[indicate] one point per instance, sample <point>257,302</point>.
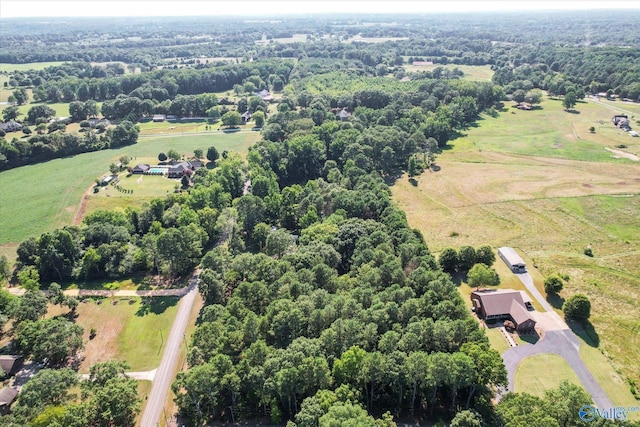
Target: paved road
<point>562,342</point>
<point>164,374</point>
<point>565,344</point>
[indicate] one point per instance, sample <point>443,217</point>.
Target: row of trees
<point>39,148</point>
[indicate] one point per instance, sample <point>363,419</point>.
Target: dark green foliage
<point>577,307</point>
<point>553,285</point>
<point>449,260</point>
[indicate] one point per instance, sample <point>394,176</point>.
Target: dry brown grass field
<point>541,182</point>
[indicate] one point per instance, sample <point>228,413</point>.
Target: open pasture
<point>481,73</point>
<point>503,184</point>
<point>44,196</point>
<point>37,66</point>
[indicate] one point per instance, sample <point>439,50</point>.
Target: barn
<point>512,259</point>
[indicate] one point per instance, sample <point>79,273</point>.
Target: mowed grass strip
<point>482,73</point>
<point>41,197</point>
<point>126,329</point>
<point>6,67</point>
<point>555,368</point>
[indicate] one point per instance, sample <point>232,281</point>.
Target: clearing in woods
<point>540,181</point>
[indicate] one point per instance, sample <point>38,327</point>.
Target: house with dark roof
<point>178,170</point>
<point>504,304</point>
<point>141,168</point>
<point>10,364</point>
<point>8,395</point>
<point>11,126</point>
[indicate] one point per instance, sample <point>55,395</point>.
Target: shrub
<point>553,285</point>
<point>588,251</point>
<point>577,307</point>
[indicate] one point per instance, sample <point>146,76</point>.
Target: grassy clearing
<point>495,188</point>
<point>497,341</point>
<point>482,73</point>
<point>8,68</point>
<point>144,390</point>
<point>126,329</point>
<point>44,196</point>
<point>556,369</point>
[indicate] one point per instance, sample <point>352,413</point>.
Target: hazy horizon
<point>141,8</point>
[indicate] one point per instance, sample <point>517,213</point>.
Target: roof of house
<point>142,166</point>
<point>9,362</point>
<point>179,167</point>
<point>8,395</point>
<point>196,163</point>
<point>344,114</point>
<point>498,302</point>
<point>519,313</point>
<point>511,256</point>
<point>10,126</point>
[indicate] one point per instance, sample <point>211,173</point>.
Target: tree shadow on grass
<point>413,182</point>
<point>572,111</point>
<point>459,277</point>
<point>555,300</point>
<point>586,331</point>
<point>155,305</point>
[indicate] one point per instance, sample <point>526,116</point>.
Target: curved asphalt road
<point>164,373</point>
<point>562,342</point>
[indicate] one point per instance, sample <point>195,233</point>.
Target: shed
<point>8,395</point>
<point>512,259</point>
<point>10,364</point>
<point>141,168</point>
<point>343,114</point>
<point>159,117</point>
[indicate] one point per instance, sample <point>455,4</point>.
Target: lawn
<point>8,68</point>
<point>556,369</point>
<point>126,329</point>
<point>41,197</point>
<point>482,73</point>
<point>550,203</point>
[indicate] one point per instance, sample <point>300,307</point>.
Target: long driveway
<point>164,374</point>
<point>561,341</point>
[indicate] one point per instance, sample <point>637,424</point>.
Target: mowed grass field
<point>41,197</point>
<point>8,68</point>
<point>132,329</point>
<point>541,182</point>
<point>556,369</point>
<point>482,73</point>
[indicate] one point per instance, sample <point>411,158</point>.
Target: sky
<point>98,8</point>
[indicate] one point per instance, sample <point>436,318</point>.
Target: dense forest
<point>321,303</point>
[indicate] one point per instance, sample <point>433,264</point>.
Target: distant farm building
<point>512,259</point>
<point>343,114</point>
<point>422,63</point>
<point>524,106</point>
<point>246,116</point>
<point>11,126</point>
<point>159,117</point>
<point>504,304</point>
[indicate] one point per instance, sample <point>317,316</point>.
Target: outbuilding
<point>512,259</point>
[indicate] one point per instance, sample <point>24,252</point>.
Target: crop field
<point>551,196</point>
<point>44,196</point>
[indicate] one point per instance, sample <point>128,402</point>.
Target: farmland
<point>41,197</point>
<point>540,181</point>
